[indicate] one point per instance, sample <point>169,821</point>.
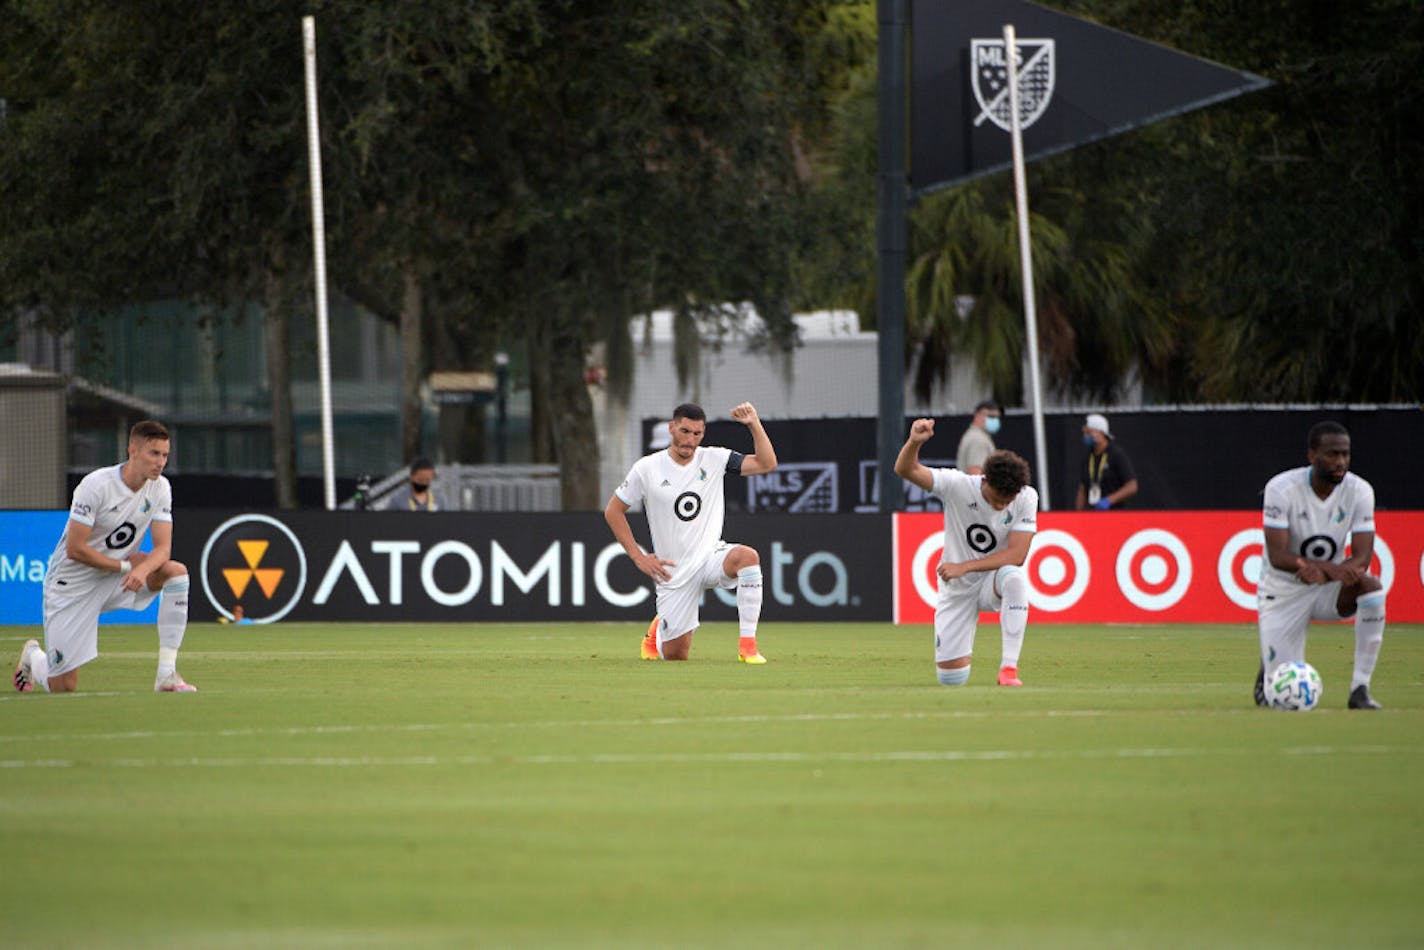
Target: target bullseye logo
<point>1154,569</point>
<point>923,567</point>
<point>688,505</point>
<point>1319,547</point>
<point>1239,567</point>
<point>1058,570</point>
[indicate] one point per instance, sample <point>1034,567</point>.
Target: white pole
<point>1026,265</point>
<point>323,331</point>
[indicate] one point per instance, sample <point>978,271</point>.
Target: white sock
<point>172,622</point>
<point>39,668</point>
<point>749,600</point>
<point>1369,635</point>
<point>1013,615</point>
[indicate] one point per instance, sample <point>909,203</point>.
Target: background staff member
<point>1108,479</point>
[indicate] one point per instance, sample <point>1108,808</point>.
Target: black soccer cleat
<point>1360,698</point>
<point>1261,685</point>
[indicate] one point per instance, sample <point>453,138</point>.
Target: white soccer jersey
<point>1319,528</point>
<point>683,504</point>
<point>119,519</point>
<point>972,528</point>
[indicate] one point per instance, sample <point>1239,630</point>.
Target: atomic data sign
<point>1078,82</point>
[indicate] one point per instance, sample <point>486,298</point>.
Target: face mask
<point>1088,440</point>
<point>419,487</point>
<point>991,424</point>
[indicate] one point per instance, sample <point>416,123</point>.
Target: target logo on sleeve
<point>1154,569</point>
<point>1058,570</point>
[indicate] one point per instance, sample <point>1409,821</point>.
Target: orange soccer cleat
<point>650,642</point>
<point>1009,676</point>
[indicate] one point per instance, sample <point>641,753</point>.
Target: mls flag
<point>1078,82</point>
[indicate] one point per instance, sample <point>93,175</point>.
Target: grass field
<point>539,786</point>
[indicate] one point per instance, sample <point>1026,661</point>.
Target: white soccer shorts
<point>1283,620</point>
<point>679,607</point>
<point>957,614</point>
<point>71,617</point>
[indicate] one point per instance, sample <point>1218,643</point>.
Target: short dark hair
<point>1321,429</point>
<point>421,464</point>
<point>1006,472</point>
<point>148,430</point>
<point>988,404</point>
<point>690,410</point>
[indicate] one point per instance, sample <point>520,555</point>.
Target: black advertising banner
<point>532,567</point>
<point>1078,82</point>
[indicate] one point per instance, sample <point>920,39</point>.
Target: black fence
<point>1186,459</point>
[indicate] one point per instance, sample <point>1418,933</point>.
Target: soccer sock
<point>39,668</point>
<point>749,602</point>
<point>955,677</point>
<point>1369,634</point>
<point>1013,615</point>
<point>172,621</point>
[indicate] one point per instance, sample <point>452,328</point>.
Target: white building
<point>833,372</point>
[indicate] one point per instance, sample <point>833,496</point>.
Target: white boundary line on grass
<point>635,758</point>
<point>759,719</point>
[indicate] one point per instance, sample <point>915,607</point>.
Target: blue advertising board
<point>27,538</point>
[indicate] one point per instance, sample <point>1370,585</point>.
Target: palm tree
<point>964,295</point>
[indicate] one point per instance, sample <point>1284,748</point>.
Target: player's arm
<point>1014,552</point>
<point>616,514</point>
<point>76,548</point>
<point>1282,558</point>
<point>907,464</point>
<point>1357,565</point>
<point>763,459</point>
<point>146,563</point>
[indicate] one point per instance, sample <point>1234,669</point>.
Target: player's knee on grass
<point>955,677</point>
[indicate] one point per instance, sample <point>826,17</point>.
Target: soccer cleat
<point>172,683</point>
<point>24,682</point>
<point>1360,698</point>
<point>1009,676</point>
<point>1260,690</point>
<point>650,642</point>
<point>747,651</point>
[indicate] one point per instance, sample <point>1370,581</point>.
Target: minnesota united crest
<point>1036,73</point>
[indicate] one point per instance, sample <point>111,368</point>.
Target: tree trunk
<point>575,430</point>
<point>412,362</point>
<point>275,335</point>
<point>541,428</point>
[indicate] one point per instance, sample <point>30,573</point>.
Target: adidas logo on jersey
<point>665,483</point>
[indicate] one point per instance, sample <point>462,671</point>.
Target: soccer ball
<point>1294,686</point>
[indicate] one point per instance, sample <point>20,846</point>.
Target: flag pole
<point>1026,265</point>
<point>323,332</point>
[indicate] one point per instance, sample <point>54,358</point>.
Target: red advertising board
<point>1150,567</point>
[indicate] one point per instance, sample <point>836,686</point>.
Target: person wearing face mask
<point>1108,479</point>
<point>418,495</point>
<point>978,440</point>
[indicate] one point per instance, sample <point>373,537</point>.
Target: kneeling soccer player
<point>989,522</point>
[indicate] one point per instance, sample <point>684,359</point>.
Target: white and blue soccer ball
<point>1294,686</point>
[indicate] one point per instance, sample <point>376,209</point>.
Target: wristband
<point>124,567</point>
